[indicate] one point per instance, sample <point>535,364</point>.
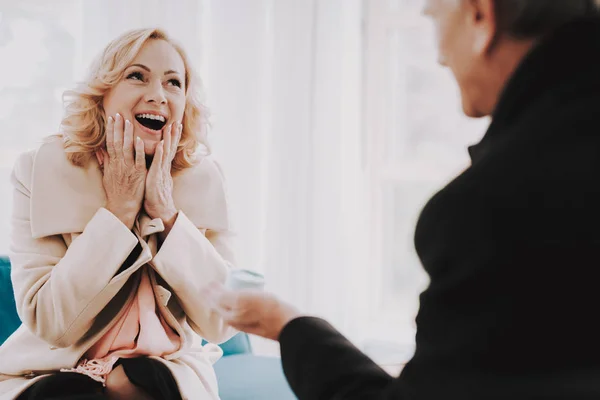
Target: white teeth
<point>152,116</point>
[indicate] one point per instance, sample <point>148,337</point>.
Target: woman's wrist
<point>168,217</point>
<point>126,216</point>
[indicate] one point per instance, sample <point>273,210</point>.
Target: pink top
<point>141,331</point>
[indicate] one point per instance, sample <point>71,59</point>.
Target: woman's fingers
<point>157,160</point>
<point>128,149</point>
<point>140,154</point>
<point>118,137</point>
<point>159,153</point>
<point>175,141</point>
<point>167,139</point>
<point>120,143</point>
<point>110,144</point>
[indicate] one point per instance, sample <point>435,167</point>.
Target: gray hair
<point>527,19</point>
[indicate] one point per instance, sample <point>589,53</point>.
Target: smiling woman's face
<point>151,94</point>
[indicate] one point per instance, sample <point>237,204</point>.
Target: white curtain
<point>284,84</point>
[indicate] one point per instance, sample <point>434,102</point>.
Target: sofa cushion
<point>9,320</point>
<point>239,344</point>
<point>251,377</point>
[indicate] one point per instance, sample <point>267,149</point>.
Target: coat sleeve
<point>59,290</point>
<point>192,257</point>
<point>320,363</point>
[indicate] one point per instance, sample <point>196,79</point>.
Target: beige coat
<point>66,252</point>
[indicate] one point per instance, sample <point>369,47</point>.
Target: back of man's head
<point>483,41</point>
<point>528,19</point>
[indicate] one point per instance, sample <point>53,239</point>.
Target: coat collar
<point>64,197</point>
<point>561,66</point>
<point>560,70</point>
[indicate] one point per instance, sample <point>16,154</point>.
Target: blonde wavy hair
<point>82,128</point>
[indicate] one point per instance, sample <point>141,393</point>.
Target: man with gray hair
<point>512,245</point>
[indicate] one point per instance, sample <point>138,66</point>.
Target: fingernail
<point>127,122</point>
<point>110,119</point>
<point>137,139</point>
<point>118,116</point>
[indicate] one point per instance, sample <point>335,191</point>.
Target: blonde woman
<point>117,225</point>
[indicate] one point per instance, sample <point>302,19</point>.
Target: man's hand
<point>251,311</point>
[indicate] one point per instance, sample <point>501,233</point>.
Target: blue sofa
<point>241,374</point>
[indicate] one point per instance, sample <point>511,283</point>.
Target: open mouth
<point>151,121</point>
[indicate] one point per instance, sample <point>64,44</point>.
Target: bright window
<point>416,137</point>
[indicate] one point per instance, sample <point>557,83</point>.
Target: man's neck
<point>505,60</point>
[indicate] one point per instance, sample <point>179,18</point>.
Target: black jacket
<point>512,247</point>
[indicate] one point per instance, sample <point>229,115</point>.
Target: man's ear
<point>481,15</point>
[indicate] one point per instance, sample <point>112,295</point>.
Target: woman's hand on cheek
<point>158,201</point>
<point>250,311</point>
<point>123,165</point>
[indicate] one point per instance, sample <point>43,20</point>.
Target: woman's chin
<point>150,147</point>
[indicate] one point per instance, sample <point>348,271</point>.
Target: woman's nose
<point>156,93</point>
